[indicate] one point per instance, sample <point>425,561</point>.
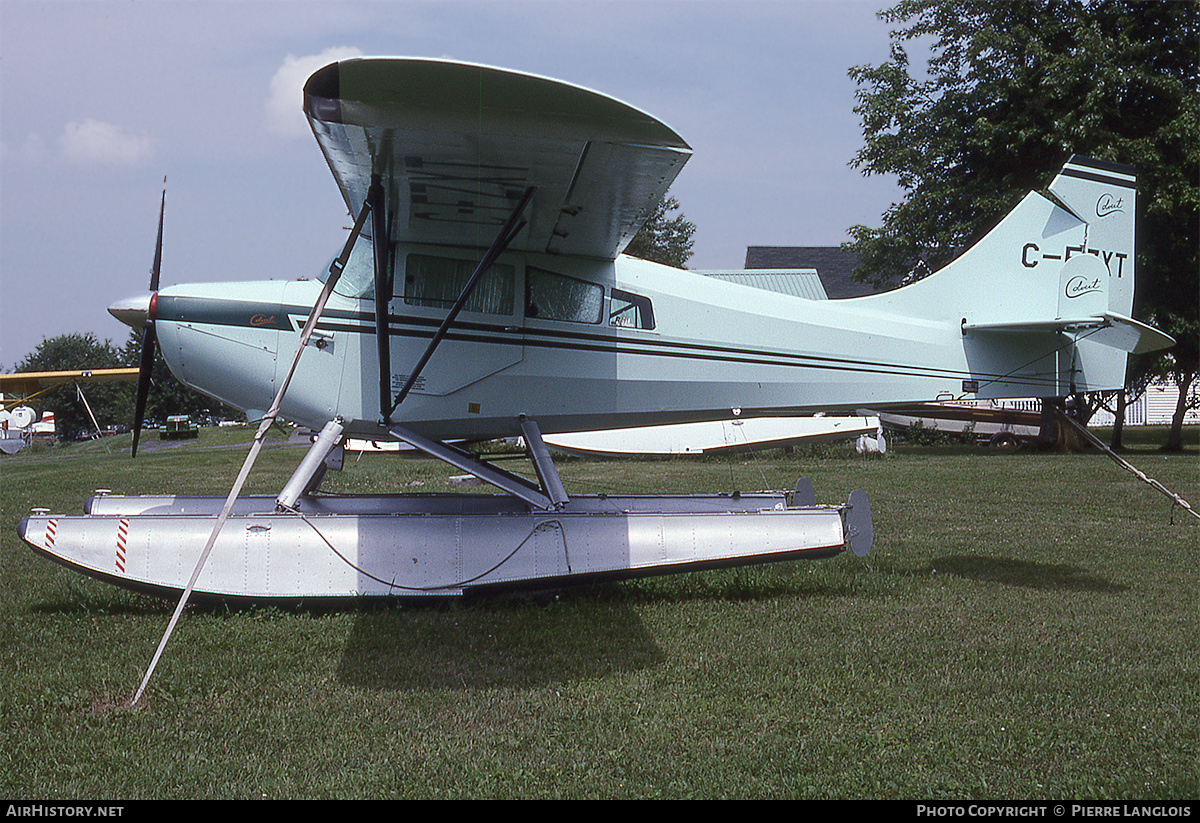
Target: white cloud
<point>93,142</point>
<point>285,101</point>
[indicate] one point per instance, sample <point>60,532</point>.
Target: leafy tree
<point>1012,88</point>
<point>112,403</point>
<point>662,239</point>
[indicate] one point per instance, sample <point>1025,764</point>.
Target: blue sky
<point>103,98</point>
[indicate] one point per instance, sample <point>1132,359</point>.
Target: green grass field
<point>1025,628</point>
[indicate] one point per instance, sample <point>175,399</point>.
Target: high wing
<point>29,383</point>
<point>457,145</point>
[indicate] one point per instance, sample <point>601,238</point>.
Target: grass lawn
<point>1025,628</point>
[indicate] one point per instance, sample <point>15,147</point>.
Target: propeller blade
<point>154,272</point>
<point>149,338</point>
<point>146,367</point>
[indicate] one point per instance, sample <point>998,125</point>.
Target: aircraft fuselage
<point>577,344</point>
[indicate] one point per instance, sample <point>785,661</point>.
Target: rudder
<point>1104,196</point>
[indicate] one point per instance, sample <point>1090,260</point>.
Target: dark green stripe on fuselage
<point>204,310</point>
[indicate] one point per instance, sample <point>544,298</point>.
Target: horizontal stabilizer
<point>1109,329</point>
<point>1084,309</point>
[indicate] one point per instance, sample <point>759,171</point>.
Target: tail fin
<point>1044,298</point>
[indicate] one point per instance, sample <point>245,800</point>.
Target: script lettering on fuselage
<point>1079,286</point>
<point>1031,255</point>
<point>1108,204</point>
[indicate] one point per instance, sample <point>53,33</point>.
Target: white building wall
<point>1155,407</point>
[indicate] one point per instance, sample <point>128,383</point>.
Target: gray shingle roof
<point>834,266</point>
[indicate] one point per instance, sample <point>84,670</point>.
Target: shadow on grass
<point>500,643</point>
<point>84,596</point>
<point>513,641</point>
<point>533,640</point>
<point>1010,572</point>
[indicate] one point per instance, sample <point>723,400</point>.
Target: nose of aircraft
<point>133,311</point>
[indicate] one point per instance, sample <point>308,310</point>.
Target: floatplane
<point>482,293</point>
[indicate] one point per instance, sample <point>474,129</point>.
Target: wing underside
<point>28,383</point>
<point>457,145</point>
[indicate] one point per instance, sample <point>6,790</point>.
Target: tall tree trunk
<point>1175,436</point>
<point>1119,420</point>
<point>1048,425</point>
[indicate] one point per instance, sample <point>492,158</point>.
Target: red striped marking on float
<point>122,542</point>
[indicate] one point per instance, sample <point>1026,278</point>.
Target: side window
<point>553,296</point>
<point>631,311</point>
<point>438,281</point>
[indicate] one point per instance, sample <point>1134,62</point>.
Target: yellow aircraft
<point>18,389</point>
<point>28,385</point>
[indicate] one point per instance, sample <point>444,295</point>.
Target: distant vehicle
<point>178,427</point>
<point>16,428</point>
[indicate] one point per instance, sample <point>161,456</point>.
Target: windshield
<point>358,278</point>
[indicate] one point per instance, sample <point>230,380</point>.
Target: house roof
<point>834,266</point>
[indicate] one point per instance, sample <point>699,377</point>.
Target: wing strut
<point>382,241</point>
<point>542,464</point>
<point>508,233</point>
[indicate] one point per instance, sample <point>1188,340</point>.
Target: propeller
<point>149,337</point>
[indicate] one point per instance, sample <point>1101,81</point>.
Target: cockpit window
<point>438,282</point>
<point>358,278</point>
<point>553,296</point>
<point>631,311</point>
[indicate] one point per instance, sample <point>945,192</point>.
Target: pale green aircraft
<point>492,208</point>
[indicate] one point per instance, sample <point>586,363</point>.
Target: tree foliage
<point>1011,89</point>
<point>663,239</point>
<point>112,403</point>
<point>167,395</point>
